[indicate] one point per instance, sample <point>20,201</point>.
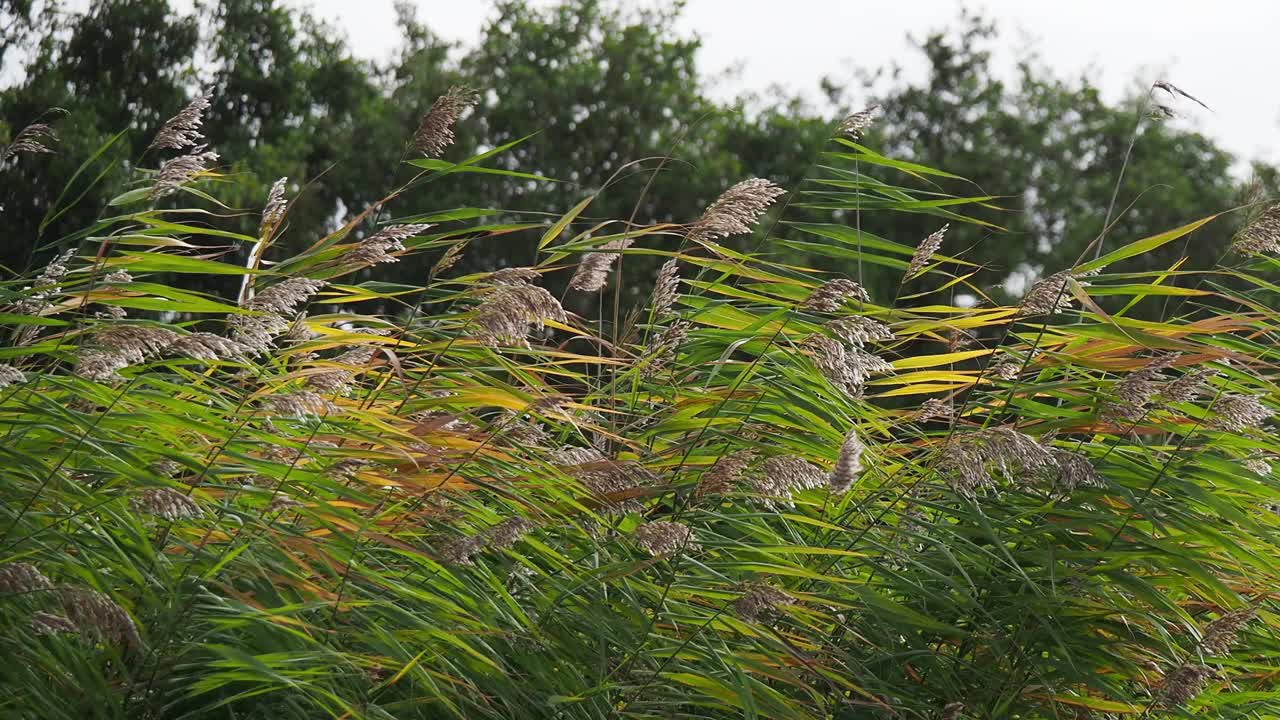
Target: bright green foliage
<point>360,499</point>
<point>611,92</point>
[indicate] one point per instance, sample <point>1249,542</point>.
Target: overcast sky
<point>1222,51</point>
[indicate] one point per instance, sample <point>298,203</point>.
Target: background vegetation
<point>608,420</point>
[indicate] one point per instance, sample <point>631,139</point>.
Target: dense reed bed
<point>766,492</point>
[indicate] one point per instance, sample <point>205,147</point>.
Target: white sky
<point>1222,51</point>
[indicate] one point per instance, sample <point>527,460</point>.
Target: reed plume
<point>435,131</point>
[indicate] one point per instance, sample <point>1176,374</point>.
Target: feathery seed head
<point>21,577</point>
<point>43,623</point>
<point>925,250</point>
<point>784,475</point>
<point>858,123</point>
<point>1135,390</point>
<point>967,462</point>
<point>167,503</point>
<point>1237,412</point>
<point>118,277</point>
<point>1071,470</point>
<point>593,270</point>
<point>832,295</point>
<point>666,288</point>
<point>736,210</point>
<point>206,346</point>
<point>31,139</point>
<point>461,550</point>
<point>378,247</point>
<point>1262,235</point>
<point>847,369</point>
<point>96,614</point>
<point>182,130</point>
<point>724,473</point>
<point>435,131</point>
<point>1187,386</point>
<point>1048,296</point>
<point>301,405</point>
<point>659,537</point>
<point>273,211</point>
<point>1183,684</point>
<point>10,375</point>
<point>1223,633</point>
<point>100,365</point>
<point>760,602</point>
<point>935,408</point>
<point>1260,465</point>
<point>512,276</point>
<point>508,312</point>
<point>257,332</point>
<point>848,463</point>
<point>508,532</point>
<point>45,286</point>
<point>176,172</point>
<point>134,343</point>
<point>858,330</point>
<point>665,347</point>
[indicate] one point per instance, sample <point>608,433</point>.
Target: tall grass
<point>766,494</point>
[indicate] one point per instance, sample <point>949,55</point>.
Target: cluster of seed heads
<point>735,211</point>
<point>935,408</point>
<point>511,306</point>
<point>969,460</point>
<point>1134,391</point>
<point>338,381</point>
<point>846,368</point>
<point>661,538</point>
<point>435,131</point>
<point>182,130</point>
<point>832,295</point>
